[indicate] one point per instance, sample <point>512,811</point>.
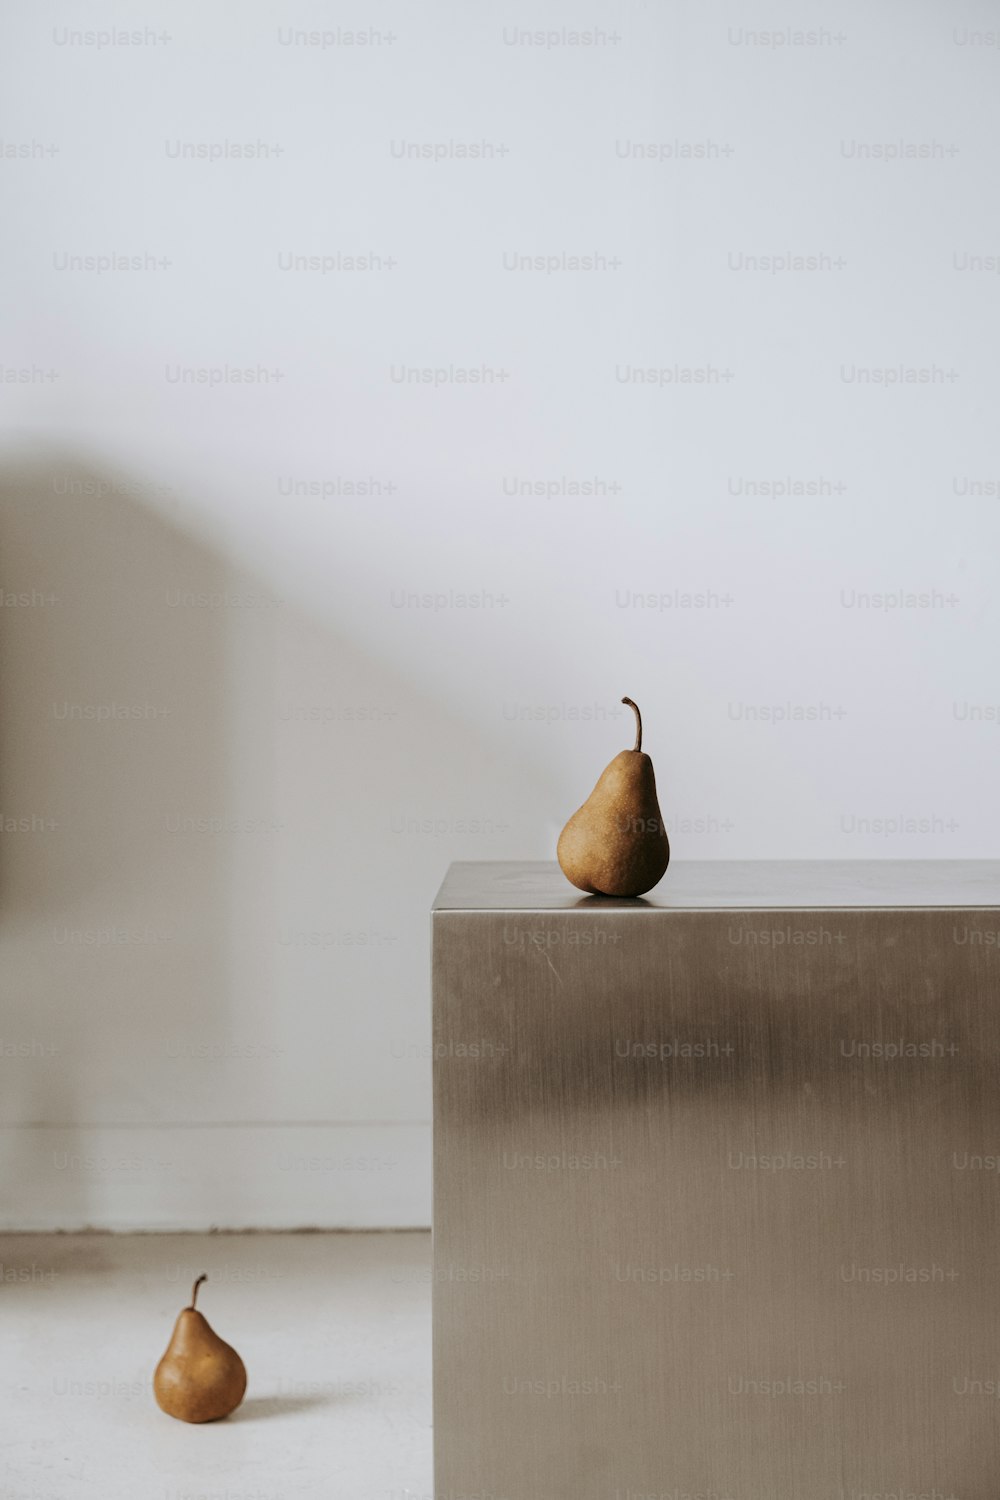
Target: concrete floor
<point>334,1330</point>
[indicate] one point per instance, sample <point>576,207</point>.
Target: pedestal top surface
<point>747,885</point>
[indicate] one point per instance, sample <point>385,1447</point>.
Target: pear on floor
<point>200,1377</point>
<point>616,844</point>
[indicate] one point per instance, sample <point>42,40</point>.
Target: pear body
<point>200,1377</point>
<point>616,844</point>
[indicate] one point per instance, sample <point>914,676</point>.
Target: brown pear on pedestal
<point>200,1378</point>
<point>616,844</point>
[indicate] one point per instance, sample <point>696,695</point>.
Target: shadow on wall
<point>113,733</point>
<point>223,830</point>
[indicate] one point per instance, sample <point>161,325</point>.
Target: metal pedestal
<point>717,1184</point>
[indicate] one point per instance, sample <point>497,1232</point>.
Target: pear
<point>200,1378</point>
<point>616,844</point>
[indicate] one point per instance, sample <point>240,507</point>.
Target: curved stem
<point>638,723</point>
<point>194,1289</point>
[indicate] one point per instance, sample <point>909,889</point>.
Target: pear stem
<point>638,723</point>
<point>194,1289</point>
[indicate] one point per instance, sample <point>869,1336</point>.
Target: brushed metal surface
<point>716,1198</point>
<point>711,885</point>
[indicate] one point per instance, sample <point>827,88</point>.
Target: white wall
<point>226,1021</point>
